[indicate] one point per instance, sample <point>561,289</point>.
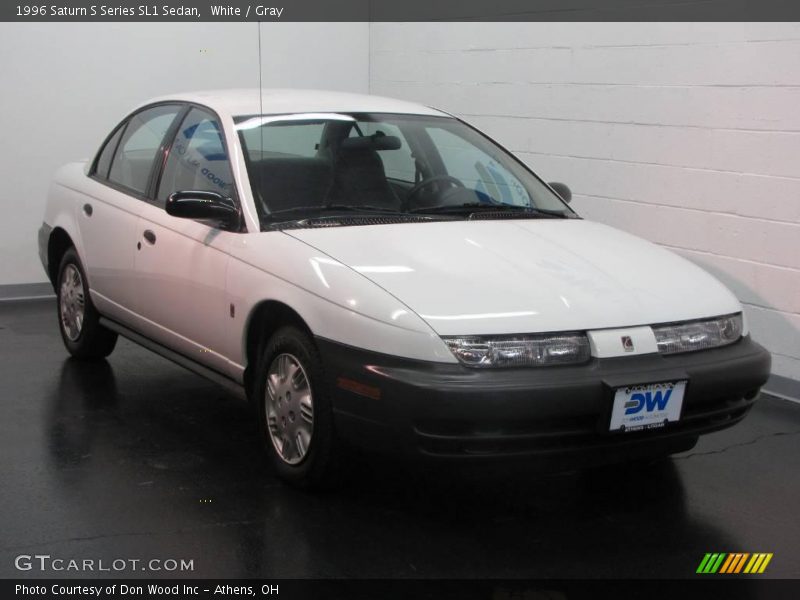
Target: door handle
<point>149,236</point>
<point>87,210</point>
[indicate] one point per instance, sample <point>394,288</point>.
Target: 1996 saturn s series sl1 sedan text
<point>380,273</point>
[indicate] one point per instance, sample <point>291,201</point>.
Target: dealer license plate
<point>647,406</point>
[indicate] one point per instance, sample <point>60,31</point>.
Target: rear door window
<point>137,150</point>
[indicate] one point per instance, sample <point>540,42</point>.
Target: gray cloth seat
<point>291,181</point>
<point>361,180</point>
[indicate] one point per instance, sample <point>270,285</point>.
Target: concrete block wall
<point>687,134</point>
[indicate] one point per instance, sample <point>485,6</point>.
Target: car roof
<point>243,102</point>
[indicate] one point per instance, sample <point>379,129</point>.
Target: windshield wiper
<point>360,207</point>
<point>334,207</point>
<point>479,207</point>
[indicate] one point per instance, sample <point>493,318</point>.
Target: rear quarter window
<point>103,164</point>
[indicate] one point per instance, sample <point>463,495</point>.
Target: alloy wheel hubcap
<point>72,303</point>
<point>290,408</point>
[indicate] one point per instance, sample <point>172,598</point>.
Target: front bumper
<point>424,409</point>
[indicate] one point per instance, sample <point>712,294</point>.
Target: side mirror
<point>562,190</point>
<point>192,204</point>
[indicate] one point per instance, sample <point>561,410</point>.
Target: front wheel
<point>78,320</point>
<point>294,410</point>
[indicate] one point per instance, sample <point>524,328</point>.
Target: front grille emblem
<point>627,343</point>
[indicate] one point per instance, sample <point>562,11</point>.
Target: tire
<point>78,320</point>
<point>294,412</point>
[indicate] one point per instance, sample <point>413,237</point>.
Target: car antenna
<point>261,127</point>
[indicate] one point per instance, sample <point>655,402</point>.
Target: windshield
<point>305,166</point>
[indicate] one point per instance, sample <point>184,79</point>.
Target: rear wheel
<point>78,320</point>
<point>294,410</point>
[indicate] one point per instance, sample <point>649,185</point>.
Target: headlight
<point>520,350</point>
<point>698,335</point>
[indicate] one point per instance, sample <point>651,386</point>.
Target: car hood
<point>515,276</point>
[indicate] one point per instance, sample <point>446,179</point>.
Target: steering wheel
<point>456,183</point>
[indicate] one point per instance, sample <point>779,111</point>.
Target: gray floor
<point>137,458</point>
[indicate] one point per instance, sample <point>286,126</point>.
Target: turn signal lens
<point>698,335</point>
<point>520,350</point>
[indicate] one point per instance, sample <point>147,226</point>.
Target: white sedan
<point>379,273</point>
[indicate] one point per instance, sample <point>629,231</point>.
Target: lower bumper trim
<point>451,411</point>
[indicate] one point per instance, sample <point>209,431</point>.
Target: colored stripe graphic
<point>754,563</point>
<point>703,563</point>
<point>749,566</point>
<point>711,562</point>
<point>732,558</point>
<point>741,562</point>
<point>718,562</point>
<point>764,564</point>
<point>724,563</point>
<point>757,565</point>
